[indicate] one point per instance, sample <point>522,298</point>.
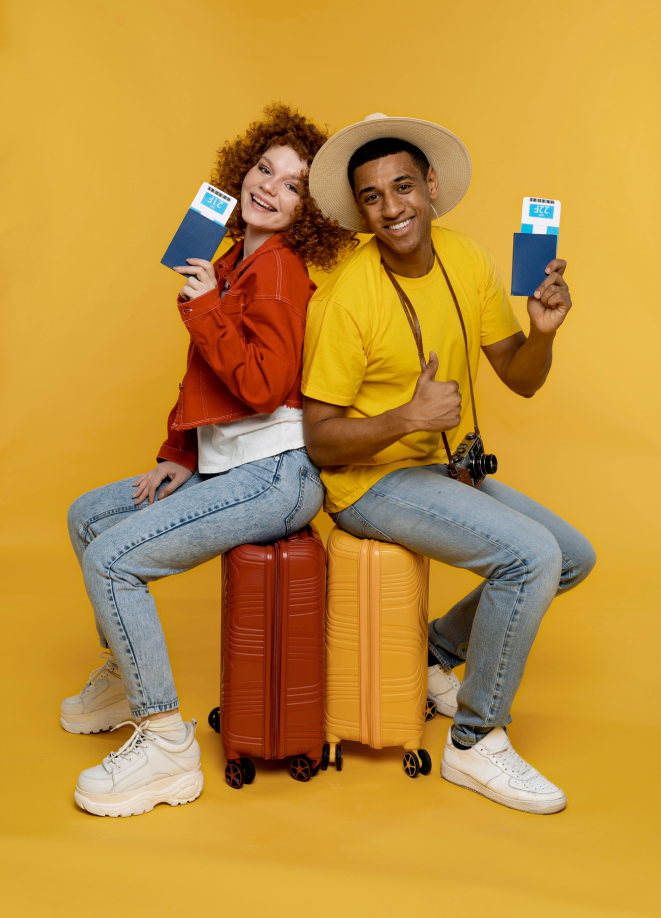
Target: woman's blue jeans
<point>525,553</point>
<point>122,548</point>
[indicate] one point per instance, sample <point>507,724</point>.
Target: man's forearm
<point>333,439</point>
<point>344,441</point>
<point>529,366</point>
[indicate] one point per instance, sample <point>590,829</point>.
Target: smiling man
<point>386,381</point>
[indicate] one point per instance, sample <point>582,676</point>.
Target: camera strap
<point>414,325</point>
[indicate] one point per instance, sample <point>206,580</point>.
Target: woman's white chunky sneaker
<point>101,705</point>
<point>442,688</point>
<point>492,768</point>
<point>147,770</point>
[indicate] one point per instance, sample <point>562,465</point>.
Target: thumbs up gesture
<point>435,406</point>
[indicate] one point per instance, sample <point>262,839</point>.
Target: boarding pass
<point>540,216</point>
<point>213,204</point>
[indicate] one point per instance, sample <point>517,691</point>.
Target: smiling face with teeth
<point>395,200</point>
<point>270,193</point>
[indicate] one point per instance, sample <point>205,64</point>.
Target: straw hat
<point>329,182</point>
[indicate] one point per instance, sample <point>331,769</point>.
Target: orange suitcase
<point>272,665</point>
<point>376,648</point>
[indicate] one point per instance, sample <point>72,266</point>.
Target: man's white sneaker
<point>101,705</point>
<point>492,768</point>
<point>147,770</point>
<point>442,688</point>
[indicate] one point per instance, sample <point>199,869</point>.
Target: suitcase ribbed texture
<point>272,682</point>
<point>376,642</point>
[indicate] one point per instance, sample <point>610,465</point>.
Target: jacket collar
<point>227,266</point>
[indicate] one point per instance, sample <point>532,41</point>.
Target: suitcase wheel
<point>315,770</point>
<point>234,774</point>
<point>430,709</point>
<point>331,755</point>
<point>425,762</point>
<point>411,764</point>
<point>214,719</point>
<point>300,768</point>
<point>417,763</point>
<point>249,770</point>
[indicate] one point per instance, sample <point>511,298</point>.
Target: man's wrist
<point>537,336</point>
<point>403,424</point>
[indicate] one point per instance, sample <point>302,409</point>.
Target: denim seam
<point>101,516</point>
<point>465,745</point>
<point>276,475</point>
<point>438,516</point>
<point>367,523</point>
<point>159,532</point>
<point>155,708</point>
<point>301,494</point>
<point>513,621</point>
<point>439,654</point>
<point>314,477</point>
<point>117,614</point>
<point>304,475</point>
<point>571,567</point>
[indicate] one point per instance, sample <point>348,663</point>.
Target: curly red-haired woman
<point>233,469</point>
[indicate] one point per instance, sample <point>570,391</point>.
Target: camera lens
<point>486,464</point>
<point>489,464</point>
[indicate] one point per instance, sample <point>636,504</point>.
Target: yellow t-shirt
<point>360,351</point>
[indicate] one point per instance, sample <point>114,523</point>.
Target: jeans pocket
<point>310,500</point>
<point>354,522</point>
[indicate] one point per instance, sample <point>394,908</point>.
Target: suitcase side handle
<point>309,533</point>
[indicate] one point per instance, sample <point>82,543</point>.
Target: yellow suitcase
<point>376,648</point>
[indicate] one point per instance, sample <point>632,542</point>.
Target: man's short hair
<point>386,146</point>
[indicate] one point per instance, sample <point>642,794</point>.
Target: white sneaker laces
<point>130,747</point>
<point>452,679</point>
<point>94,675</point>
<point>512,763</point>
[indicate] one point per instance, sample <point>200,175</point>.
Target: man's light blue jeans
<point>525,554</point>
<point>122,548</point>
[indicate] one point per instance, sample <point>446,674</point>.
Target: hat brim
<point>329,181</point>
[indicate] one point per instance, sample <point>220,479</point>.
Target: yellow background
<point>111,115</point>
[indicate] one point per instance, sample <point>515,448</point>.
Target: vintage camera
<point>471,463</point>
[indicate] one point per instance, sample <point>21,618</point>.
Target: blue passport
<point>532,253</point>
<point>196,237</point>
<point>202,229</point>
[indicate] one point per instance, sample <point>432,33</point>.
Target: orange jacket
<point>246,351</point>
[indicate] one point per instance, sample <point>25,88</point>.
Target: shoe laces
<point>512,763</point>
<point>100,670</point>
<point>131,746</point>
<point>450,676</point>
<point>452,679</point>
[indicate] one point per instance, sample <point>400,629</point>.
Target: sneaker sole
<point>526,806</point>
<point>97,721</point>
<point>173,791</point>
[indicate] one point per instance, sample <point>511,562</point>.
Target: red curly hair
<point>316,239</point>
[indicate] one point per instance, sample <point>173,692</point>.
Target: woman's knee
<point>78,516</point>
<point>103,560</point>
<point>95,562</point>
